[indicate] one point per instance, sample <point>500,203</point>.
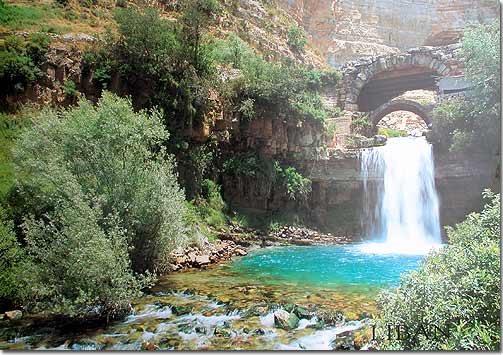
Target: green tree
<point>456,289</point>
<point>11,256</point>
<point>81,266</point>
<point>472,124</point>
<point>232,51</point>
<point>112,159</point>
<point>20,62</point>
<point>165,63</point>
<point>196,18</point>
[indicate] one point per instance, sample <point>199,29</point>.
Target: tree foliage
<point>283,87</point>
<point>472,124</point>
<point>167,63</point>
<point>456,289</point>
<point>115,208</point>
<point>11,256</point>
<point>20,61</point>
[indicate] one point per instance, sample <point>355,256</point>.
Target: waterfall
<point>400,207</point>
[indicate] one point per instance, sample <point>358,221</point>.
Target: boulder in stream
<point>222,332</point>
<point>285,320</point>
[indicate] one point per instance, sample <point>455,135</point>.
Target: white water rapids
<point>401,213</point>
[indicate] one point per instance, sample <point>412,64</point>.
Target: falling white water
<point>400,202</point>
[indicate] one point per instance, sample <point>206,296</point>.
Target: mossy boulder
<point>181,310</point>
<point>222,332</point>
<point>302,312</point>
<point>285,320</point>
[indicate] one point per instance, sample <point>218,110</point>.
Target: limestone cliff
<point>346,29</point>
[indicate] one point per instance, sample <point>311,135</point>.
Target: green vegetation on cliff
<point>20,62</point>
<point>292,89</point>
<point>472,124</point>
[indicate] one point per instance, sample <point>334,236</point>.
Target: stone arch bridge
<point>373,85</point>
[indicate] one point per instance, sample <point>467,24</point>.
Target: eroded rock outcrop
<point>345,30</point>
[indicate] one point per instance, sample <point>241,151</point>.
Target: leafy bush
<point>195,163</point>
<point>70,89</point>
<point>81,265</point>
<point>251,165</point>
<point>233,51</point>
<point>472,124</point>
<point>297,186</point>
<point>330,129</point>
<point>10,127</point>
<point>11,256</point>
<point>211,193</point>
<point>166,63</point>
<point>297,38</point>
<point>101,64</point>
<point>20,61</point>
<point>310,106</point>
<point>247,109</point>
<point>110,159</point>
<point>206,211</point>
<point>361,125</point>
<point>456,288</point>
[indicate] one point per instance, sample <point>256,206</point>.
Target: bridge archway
<point>370,83</point>
<point>402,105</point>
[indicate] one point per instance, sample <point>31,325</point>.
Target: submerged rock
<point>302,312</point>
<point>185,328</point>
<point>259,331</point>
<point>86,344</point>
<point>222,332</point>
<point>181,310</point>
<point>343,341</point>
<point>285,320</point>
<point>145,345</point>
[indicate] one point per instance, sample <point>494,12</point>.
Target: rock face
<point>347,29</point>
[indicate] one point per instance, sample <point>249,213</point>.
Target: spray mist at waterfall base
<point>401,208</point>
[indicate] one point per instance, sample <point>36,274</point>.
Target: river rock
<point>379,139</point>
<point>181,310</point>
<point>202,260</point>
<point>259,331</point>
<point>305,236</point>
<point>343,341</point>
<point>86,344</point>
<point>240,252</point>
<point>302,312</point>
<point>285,320</point>
<point>13,315</point>
<point>145,345</point>
<point>222,332</point>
